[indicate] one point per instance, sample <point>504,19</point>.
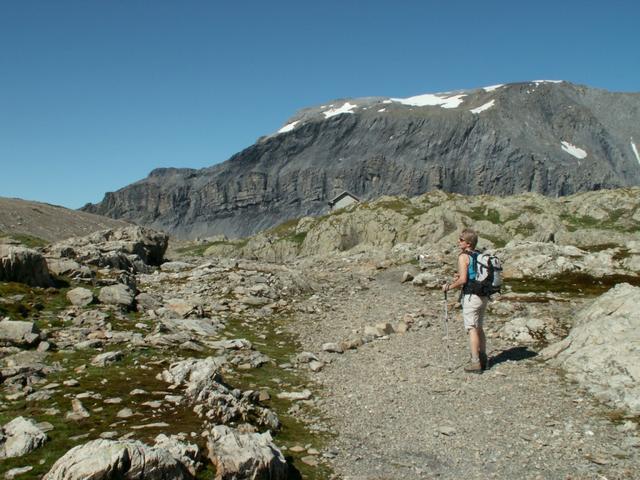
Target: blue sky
<point>96,94</point>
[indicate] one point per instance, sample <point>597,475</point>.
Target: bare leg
<point>474,343</point>
<point>482,347</point>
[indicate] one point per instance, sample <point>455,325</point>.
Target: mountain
<point>36,223</point>
<point>549,137</point>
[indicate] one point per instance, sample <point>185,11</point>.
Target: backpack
<point>484,274</point>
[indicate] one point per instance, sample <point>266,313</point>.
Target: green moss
<point>403,207</point>
<point>614,221</point>
<point>483,213</point>
<point>22,302</point>
<point>28,241</point>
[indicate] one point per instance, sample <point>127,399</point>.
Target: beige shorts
<point>473,308</point>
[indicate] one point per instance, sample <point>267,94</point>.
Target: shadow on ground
<point>514,354</point>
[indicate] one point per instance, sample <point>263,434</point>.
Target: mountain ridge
<point>553,138</point>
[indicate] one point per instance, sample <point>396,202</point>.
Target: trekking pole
<point>446,330</point>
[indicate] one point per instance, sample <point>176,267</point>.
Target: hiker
<point>473,306</point>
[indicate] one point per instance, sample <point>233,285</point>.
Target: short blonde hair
<point>470,236</point>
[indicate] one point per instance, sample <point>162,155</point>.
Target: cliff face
<point>546,137</point>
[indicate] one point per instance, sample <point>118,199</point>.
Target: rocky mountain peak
<point>549,137</point>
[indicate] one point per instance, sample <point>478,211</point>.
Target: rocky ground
<point>334,363</point>
<point>398,411</point>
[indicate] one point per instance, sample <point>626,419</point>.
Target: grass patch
<point>483,213</point>
<point>574,223</point>
<point>270,338</point>
<point>22,302</point>
<point>28,241</point>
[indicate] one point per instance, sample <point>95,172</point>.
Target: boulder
<point>245,455</point>
<point>121,460</point>
<point>19,437</point>
<point>80,297</point>
<point>131,248</point>
<point>23,265</point>
<point>19,333</point>
<point>106,358</point>
<point>601,351</point>
<point>119,294</point>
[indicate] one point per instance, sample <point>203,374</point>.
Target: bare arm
<point>463,265</point>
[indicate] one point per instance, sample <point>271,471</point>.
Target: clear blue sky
<point>96,94</point>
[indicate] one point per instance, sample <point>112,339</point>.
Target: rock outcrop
<point>549,138</point>
<point>24,265</point>
<point>114,460</point>
<point>245,455</point>
<point>130,248</point>
<point>601,352</point>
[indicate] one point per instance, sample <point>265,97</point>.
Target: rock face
<point>550,138</point>
<point>601,351</point>
<point>19,264</point>
<point>111,460</point>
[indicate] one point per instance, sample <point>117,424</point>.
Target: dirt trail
<point>398,413</point>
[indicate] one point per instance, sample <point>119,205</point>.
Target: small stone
<point>297,449</point>
<point>138,391</point>
<point>71,383</point>
<point>316,366</point>
<point>109,435</point>
<point>264,396</point>
<point>153,404</point>
<point>310,460</point>
<point>14,472</point>
<point>113,401</point>
<point>332,348</point>
<point>304,395</point>
<point>125,413</point>
<point>448,431</point>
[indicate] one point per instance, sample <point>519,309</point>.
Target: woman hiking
<point>473,306</point>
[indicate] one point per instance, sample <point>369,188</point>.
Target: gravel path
<point>397,411</point>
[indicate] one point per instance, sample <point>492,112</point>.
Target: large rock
<point>19,332</point>
<point>601,352</point>
<point>19,437</point>
<point>213,399</point>
<point>245,455</point>
<point>119,294</point>
<point>118,460</point>
<point>19,264</point>
<point>131,248</point>
<point>80,297</point>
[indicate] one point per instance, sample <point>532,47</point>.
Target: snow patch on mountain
<point>538,82</point>
<point>491,88</point>
<point>484,107</point>
<point>635,150</point>
<point>573,150</point>
<point>288,127</point>
<point>345,108</point>
<point>430,99</point>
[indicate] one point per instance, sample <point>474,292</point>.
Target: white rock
<point>245,455</point>
<point>19,437</point>
<point>111,460</point>
<point>601,352</point>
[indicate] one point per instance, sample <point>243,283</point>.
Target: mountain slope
<point>553,138</point>
<point>50,223</point>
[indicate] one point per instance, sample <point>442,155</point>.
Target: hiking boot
<point>473,367</point>
<point>484,361</point>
